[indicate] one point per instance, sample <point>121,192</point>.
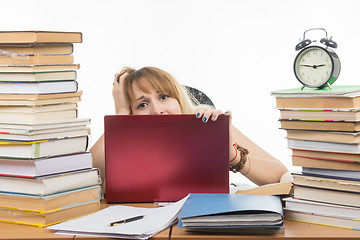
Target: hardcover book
<point>320,208</point>
<point>49,203</point>
<point>37,60</point>
<point>37,76</point>
<point>38,68</point>
<point>38,97</point>
<point>323,219</point>
<point>43,148</point>
<point>36,167</point>
<point>347,198</point>
<point>325,163</point>
<point>50,184</point>
<point>346,157</point>
<point>21,37</point>
<point>48,87</point>
<point>320,125</point>
<point>30,128</point>
<point>310,114</point>
<point>332,173</point>
<point>326,136</point>
<point>334,91</point>
<point>40,48</point>
<point>50,218</point>
<point>56,133</point>
<point>39,116</point>
<point>326,182</point>
<point>324,146</point>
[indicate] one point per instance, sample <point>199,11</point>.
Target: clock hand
<point>313,66</point>
<point>306,65</point>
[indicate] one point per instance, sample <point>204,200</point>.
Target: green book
<point>334,91</point>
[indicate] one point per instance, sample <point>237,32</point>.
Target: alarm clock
<point>316,65</point>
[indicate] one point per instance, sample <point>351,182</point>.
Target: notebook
<point>163,158</point>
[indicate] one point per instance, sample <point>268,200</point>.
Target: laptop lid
<point>164,157</point>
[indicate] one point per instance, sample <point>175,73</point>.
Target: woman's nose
<point>157,108</point>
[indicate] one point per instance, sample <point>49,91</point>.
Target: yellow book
<point>49,203</point>
<point>47,219</point>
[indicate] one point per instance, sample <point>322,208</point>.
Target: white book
<point>50,184</point>
<point>37,76</point>
<point>38,87</point>
<point>43,148</point>
<point>30,133</point>
<point>300,205</point>
<point>347,198</point>
<point>44,166</point>
<point>323,219</point>
<point>30,127</point>
<point>334,91</point>
<point>38,116</point>
<point>47,134</point>
<point>324,146</point>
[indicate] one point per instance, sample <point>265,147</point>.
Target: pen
<point>126,221</point>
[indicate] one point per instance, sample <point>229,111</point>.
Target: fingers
<point>208,114</point>
<point>228,113</point>
<point>119,77</point>
<point>211,114</point>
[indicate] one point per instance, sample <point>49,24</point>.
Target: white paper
<point>97,224</point>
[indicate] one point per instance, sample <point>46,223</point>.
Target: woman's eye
<point>142,105</point>
<point>163,96</point>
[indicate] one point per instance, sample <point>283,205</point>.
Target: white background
<point>236,51</point>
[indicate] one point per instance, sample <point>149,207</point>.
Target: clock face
<point>314,66</point>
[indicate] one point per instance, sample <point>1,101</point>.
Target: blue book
<point>232,213</point>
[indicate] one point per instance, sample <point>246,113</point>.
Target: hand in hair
<point>121,106</point>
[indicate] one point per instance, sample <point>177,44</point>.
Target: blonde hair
<point>163,82</point>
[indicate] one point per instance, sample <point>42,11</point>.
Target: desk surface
<point>293,230</point>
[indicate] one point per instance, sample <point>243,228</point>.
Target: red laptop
<point>164,157</point>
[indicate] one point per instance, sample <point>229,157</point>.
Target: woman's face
<point>153,102</point>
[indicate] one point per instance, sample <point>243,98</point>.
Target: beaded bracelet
<point>243,158</point>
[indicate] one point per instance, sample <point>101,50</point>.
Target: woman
<point>154,91</point>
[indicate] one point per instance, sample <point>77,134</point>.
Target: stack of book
<point>46,173</point>
<point>323,132</point>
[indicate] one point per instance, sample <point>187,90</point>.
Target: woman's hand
<point>121,106</point>
<point>212,114</point>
